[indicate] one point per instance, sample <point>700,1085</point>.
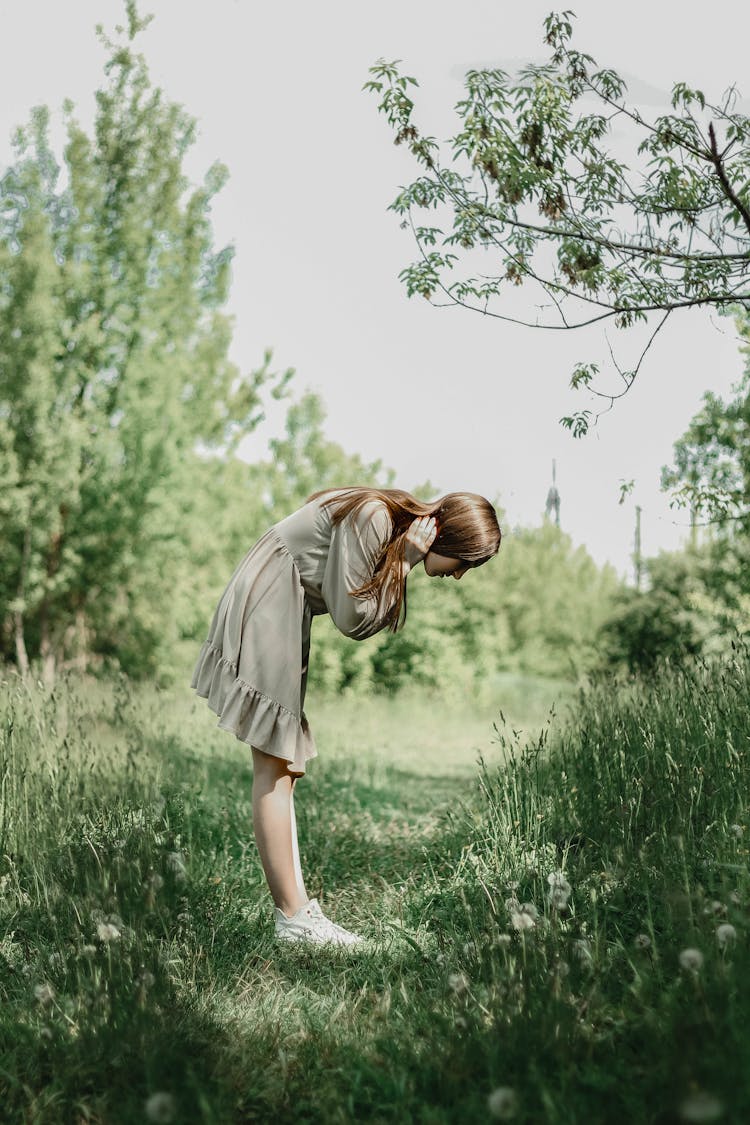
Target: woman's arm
<point>356,545</point>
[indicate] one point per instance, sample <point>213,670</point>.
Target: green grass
<point>426,828</point>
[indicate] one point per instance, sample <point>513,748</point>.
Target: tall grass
<point>558,934</point>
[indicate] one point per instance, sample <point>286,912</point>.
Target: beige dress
<point>252,667</point>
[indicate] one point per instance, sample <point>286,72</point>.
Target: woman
<point>346,552</point>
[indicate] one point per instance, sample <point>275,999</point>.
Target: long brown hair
<point>467,529</point>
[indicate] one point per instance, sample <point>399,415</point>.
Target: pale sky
<point>440,394</point>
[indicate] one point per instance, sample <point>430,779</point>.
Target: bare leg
<point>275,831</point>
<point>295,847</point>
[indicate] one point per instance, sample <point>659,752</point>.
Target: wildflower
<point>735,830</point>
<point>44,993</point>
<point>558,882</point>
<point>176,864</point>
<point>642,941</point>
<point>701,1107</point>
<point>502,1103</point>
<point>146,979</point>
<point>522,920</point>
<point>154,882</point>
<point>715,907</point>
<point>160,1107</point>
<point>88,950</point>
<point>735,898</point>
<point>691,959</point>
<point>107,932</point>
<point>458,983</point>
<point>725,934</point>
<point>504,940</point>
<point>45,1032</point>
<point>582,951</point>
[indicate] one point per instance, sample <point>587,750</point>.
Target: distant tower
<point>553,498</point>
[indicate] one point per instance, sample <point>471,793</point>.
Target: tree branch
<point>729,192</point>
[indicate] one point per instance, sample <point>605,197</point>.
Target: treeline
<point>124,506</point>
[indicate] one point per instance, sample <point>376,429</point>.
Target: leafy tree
<point>528,191</point>
<point>696,603</point>
<point>113,369</point>
<point>711,470</point>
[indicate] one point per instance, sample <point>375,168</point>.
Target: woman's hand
<point>419,539</point>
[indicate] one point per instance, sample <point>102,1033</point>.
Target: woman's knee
<point>271,767</point>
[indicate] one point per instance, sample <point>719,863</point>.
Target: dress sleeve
<point>356,543</point>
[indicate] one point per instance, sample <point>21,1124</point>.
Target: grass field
<point>558,932</point>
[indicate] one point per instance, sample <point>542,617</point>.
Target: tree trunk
<point>22,657</point>
<point>46,650</point>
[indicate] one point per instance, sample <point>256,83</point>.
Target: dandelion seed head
<point>691,959</point>
<point>470,949</point>
<point>558,882</point>
<point>522,921</point>
<point>107,932</point>
<point>582,951</point>
<point>458,983</point>
<point>735,830</point>
<point>502,1103</point>
<point>642,941</point>
<point>558,899</point>
<point>176,864</point>
<point>503,940</point>
<point>725,934</point>
<point>701,1107</point>
<point>160,1107</point>
<point>44,993</point>
<point>735,898</point>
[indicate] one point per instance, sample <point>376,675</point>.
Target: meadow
<point>554,884</point>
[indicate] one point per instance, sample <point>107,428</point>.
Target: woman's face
<point>438,566</point>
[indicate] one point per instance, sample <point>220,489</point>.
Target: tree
<point>711,470</point>
<point>528,191</point>
<point>113,369</point>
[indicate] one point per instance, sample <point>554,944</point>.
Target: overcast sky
<point>439,394</point>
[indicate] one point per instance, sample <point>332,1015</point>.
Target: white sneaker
<point>310,924</point>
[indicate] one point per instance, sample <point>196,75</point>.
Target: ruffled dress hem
<point>248,713</point>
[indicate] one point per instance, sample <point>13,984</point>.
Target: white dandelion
<point>559,884</point>
<point>160,1107</point>
<point>522,921</point>
<point>458,983</point>
<point>701,1107</point>
<point>736,830</point>
<point>691,960</point>
<point>642,941</point>
<point>44,993</point>
<point>107,932</point>
<point>725,934</point>
<point>582,951</point>
<point>176,864</point>
<point>503,940</point>
<point>502,1103</point>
